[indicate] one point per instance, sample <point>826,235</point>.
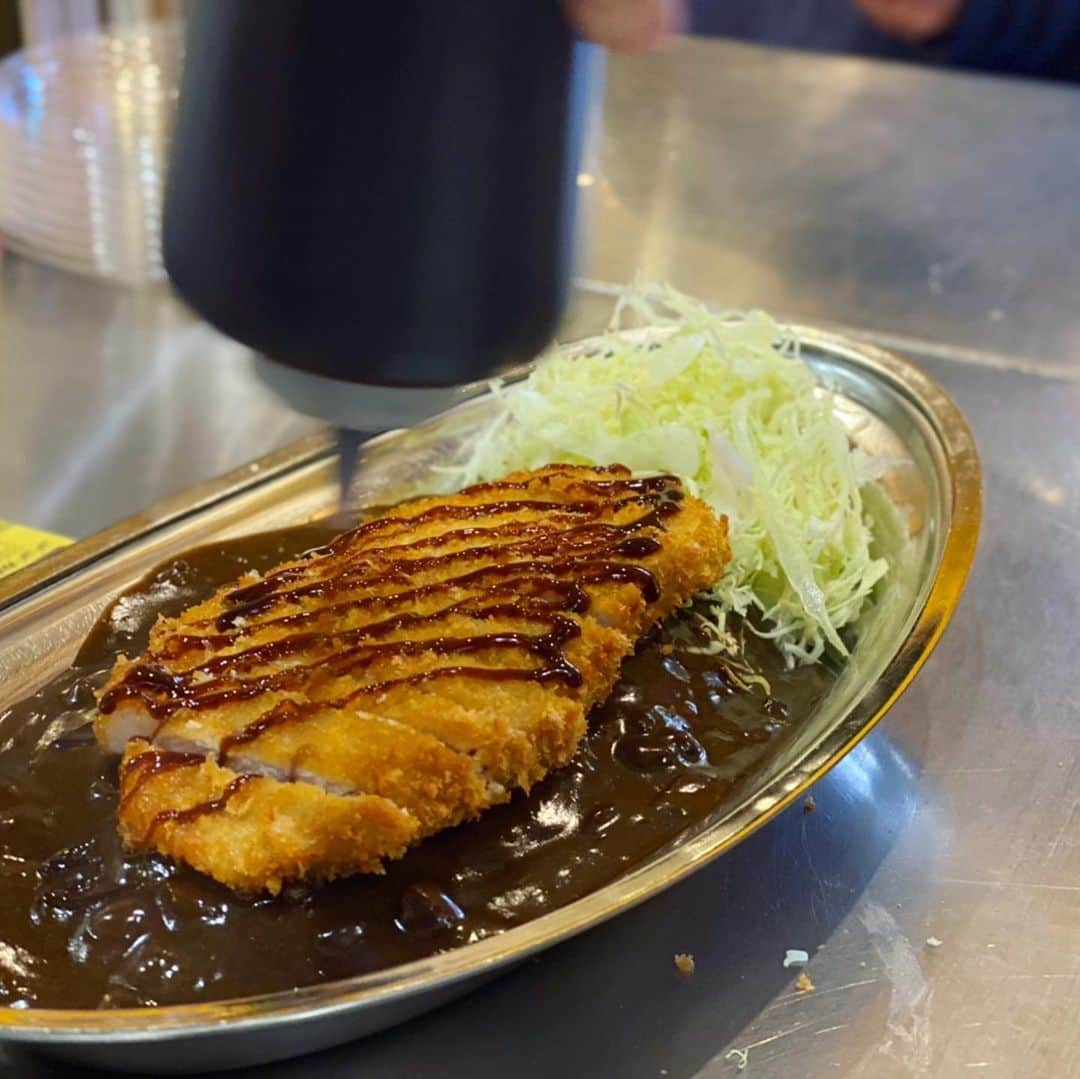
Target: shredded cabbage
<point>723,401</point>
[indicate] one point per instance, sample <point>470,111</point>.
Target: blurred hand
<point>626,25</point>
<point>913,20</point>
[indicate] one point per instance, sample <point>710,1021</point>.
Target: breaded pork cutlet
<point>317,720</point>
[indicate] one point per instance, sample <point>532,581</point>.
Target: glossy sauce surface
<point>85,925</point>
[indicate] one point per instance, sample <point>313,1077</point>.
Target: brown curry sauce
<point>84,924</point>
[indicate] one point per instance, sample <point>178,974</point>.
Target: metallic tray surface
<point>893,410</point>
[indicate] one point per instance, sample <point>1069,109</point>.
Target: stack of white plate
<point>85,126</point>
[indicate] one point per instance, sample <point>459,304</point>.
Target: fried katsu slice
<point>437,657</point>
<point>249,832</point>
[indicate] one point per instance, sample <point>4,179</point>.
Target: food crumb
<point>809,805</point>
<point>934,942</point>
<point>795,957</point>
<point>740,1056</point>
<point>684,963</point>
<point>803,983</point>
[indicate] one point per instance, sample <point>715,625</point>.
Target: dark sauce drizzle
<point>137,771</point>
<point>556,564</point>
<point>200,809</point>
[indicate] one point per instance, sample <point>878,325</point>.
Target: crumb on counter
<point>739,1056</point>
<point>809,805</point>
<point>933,942</point>
<point>684,963</point>
<point>795,957</point>
<point>803,983</point>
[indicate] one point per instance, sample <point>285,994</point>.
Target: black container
<point>381,193</point>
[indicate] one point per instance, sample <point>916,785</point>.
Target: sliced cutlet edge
<point>253,833</point>
<point>347,748</point>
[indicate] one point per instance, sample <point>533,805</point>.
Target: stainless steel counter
<point>112,399</point>
<point>934,212</point>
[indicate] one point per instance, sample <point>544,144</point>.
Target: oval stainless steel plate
<point>892,410</point>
